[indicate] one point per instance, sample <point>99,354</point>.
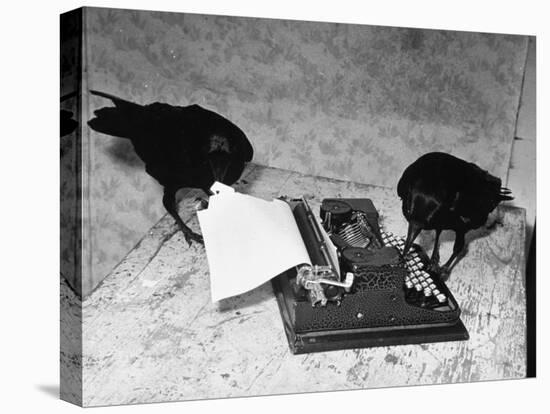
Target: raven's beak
<point>219,164</point>
<point>412,233</point>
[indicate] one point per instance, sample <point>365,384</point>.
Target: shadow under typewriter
<point>393,300</point>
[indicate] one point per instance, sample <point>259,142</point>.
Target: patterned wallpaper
<point>344,101</point>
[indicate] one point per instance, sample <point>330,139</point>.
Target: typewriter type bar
<point>351,222</point>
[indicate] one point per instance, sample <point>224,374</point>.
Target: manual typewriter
<point>365,293</point>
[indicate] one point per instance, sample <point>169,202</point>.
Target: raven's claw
<point>444,273</point>
<point>433,267</point>
<point>201,204</point>
<point>191,236</point>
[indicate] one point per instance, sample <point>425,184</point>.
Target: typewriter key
<point>431,302</point>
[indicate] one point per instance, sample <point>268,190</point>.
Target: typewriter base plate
<point>331,340</point>
<point>334,340</point>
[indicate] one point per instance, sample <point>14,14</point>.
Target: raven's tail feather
<point>124,120</point>
<point>112,121</point>
<point>505,194</point>
<point>119,102</point>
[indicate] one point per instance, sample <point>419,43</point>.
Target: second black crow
<point>443,192</point>
<point>181,146</point>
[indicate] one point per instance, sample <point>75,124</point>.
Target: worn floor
<point>151,333</point>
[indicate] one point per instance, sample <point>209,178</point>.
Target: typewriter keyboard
<point>421,289</point>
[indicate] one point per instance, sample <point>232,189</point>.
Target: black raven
<point>442,192</point>
<point>181,146</point>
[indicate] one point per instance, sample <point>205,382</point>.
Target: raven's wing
<point>421,169</point>
<point>479,194</point>
<point>157,131</point>
<point>154,128</point>
<point>212,129</point>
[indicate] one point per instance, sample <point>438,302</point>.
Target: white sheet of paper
<point>248,241</point>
